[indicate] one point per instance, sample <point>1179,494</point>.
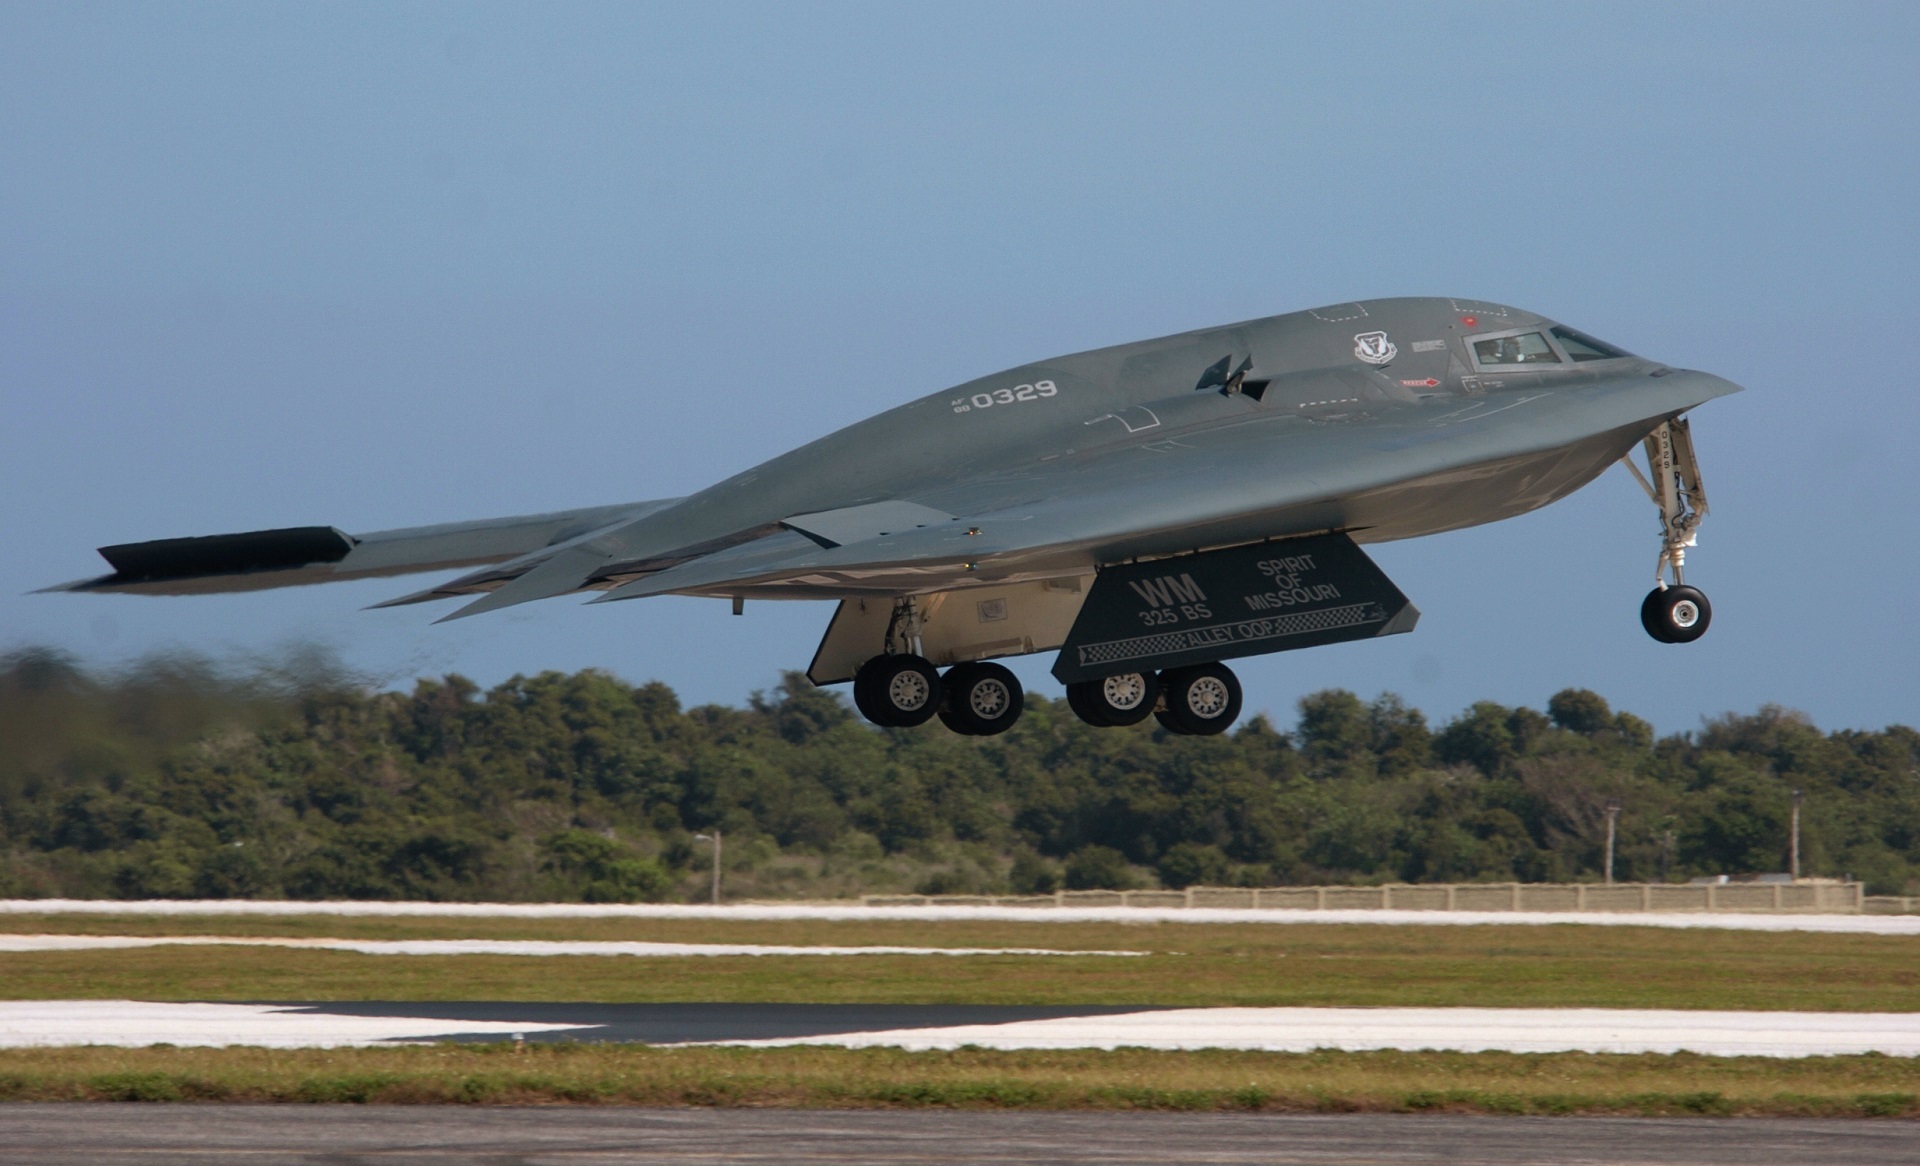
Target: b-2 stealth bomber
<point>1149,510</point>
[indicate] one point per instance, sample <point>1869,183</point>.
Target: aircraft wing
<point>291,556</point>
<point>1175,490</point>
<point>1240,473</point>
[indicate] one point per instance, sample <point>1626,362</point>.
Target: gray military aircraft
<point>1151,510</point>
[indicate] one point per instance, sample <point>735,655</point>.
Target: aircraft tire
<point>980,699</point>
<point>1676,615</point>
<point>1080,700</point>
<point>898,691</point>
<point>1111,701</point>
<point>863,690</point>
<point>1200,701</point>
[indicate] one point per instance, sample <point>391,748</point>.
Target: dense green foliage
<point>178,779</point>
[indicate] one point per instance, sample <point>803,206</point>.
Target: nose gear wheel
<point>1676,615</point>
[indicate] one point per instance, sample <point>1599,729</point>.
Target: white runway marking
<point>534,947</point>
<point>135,1024</point>
<point>1836,924</point>
<point>1518,1030</point>
<point>126,1023</point>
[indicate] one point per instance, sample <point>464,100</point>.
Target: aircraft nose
<point>1694,385</point>
<point>1705,385</point>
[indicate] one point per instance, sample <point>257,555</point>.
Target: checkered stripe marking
<point>1266,628</point>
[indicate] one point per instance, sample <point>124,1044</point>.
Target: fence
<point>1891,905</point>
<point>1810,896</point>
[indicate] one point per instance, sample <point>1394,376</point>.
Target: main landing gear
<point>976,699</point>
<point>901,689</point>
<point>983,699</point>
<point>1195,701</point>
<point>1676,614</point>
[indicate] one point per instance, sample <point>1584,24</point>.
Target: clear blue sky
<point>383,264</point>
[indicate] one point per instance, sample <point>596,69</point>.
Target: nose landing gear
<point>1676,614</point>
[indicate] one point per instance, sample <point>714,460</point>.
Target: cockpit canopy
<point>1582,347</point>
<point>1557,344</point>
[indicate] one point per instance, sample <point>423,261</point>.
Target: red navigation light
<point>1470,321</point>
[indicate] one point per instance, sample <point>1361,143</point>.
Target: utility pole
<point>715,839</point>
<point>1793,847</point>
<point>1613,818</point>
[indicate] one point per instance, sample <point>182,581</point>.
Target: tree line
<point>178,778</point>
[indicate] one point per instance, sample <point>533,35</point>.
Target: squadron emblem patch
<point>1374,347</point>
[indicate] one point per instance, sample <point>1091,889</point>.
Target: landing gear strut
<point>899,688</point>
<point>1676,613</point>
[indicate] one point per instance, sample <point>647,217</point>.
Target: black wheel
<point>1080,700</point>
<point>980,699</point>
<point>1676,615</point>
<point>1200,701</point>
<point>863,689</point>
<point>1125,699</point>
<point>897,691</point>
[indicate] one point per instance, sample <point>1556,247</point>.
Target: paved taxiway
<point>137,1023</point>
<point>517,947</point>
<point>129,1023</point>
<point>113,1135</point>
<point>1690,921</point>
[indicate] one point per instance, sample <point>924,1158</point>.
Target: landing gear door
<point>1218,605</point>
<point>978,623</point>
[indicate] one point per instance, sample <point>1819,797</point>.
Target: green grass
<point>1193,964</point>
<point>1570,1083</point>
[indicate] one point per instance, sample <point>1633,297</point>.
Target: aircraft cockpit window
<point>1581,346</point>
<point>1526,348</point>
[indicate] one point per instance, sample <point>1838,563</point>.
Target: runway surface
<point>1471,1030</point>
<point>113,1135</point>
<point>46,1023</point>
<point>534,947</point>
<point>1836,924</point>
<point>135,1024</point>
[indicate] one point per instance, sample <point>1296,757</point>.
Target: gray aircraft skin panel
<point>952,453</point>
<point>1384,419</point>
<point>1444,465</point>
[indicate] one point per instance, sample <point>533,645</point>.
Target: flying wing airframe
<point>1149,510</point>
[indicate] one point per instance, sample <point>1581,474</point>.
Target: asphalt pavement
<point>174,1135</point>
<point>133,1023</point>
<point>684,1023</point>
